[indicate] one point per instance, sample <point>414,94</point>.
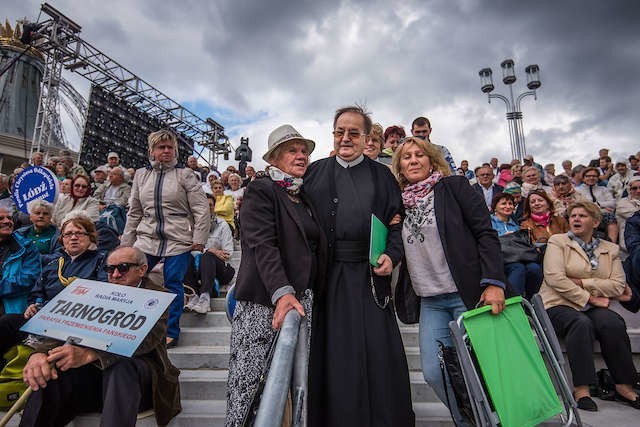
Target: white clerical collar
<point>345,164</point>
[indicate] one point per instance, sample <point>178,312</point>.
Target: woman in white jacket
<point>168,217</point>
<point>213,264</point>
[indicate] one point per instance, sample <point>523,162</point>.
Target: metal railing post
<point>299,381</point>
<point>276,388</point>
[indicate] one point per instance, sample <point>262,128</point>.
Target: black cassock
<point>358,368</point>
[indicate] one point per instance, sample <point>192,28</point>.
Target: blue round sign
<point>34,183</point>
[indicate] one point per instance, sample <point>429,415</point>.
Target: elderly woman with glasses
<point>582,275</point>
<point>374,142</point>
<point>79,258</point>
<point>283,261</point>
<point>602,197</point>
<point>78,199</point>
<point>564,195</point>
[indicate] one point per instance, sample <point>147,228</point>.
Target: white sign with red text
<point>104,316</point>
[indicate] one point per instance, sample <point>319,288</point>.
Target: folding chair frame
<point>484,415</point>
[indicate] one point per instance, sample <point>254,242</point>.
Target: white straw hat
<point>282,135</point>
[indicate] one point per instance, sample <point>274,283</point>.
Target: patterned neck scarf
<point>588,248</point>
<point>543,219</point>
<point>290,184</point>
<point>414,192</point>
<point>565,198</point>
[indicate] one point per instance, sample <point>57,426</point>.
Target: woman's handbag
<point>517,247</point>
<point>450,364</point>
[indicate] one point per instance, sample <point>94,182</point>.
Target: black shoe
<point>587,404</point>
<point>633,403</point>
<point>173,343</point>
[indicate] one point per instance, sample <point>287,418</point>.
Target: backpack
<point>11,384</point>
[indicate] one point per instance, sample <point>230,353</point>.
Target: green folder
<point>378,242</point>
<point>513,369</point>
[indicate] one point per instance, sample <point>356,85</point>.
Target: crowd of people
<point>457,237</point>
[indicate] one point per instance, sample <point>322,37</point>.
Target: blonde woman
<point>452,254</point>
<point>168,218</point>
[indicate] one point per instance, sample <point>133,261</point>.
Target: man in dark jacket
<point>485,185</point>
<point>632,264</point>
<point>69,379</point>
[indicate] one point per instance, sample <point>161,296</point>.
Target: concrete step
<point>217,357</point>
<point>203,384</point>
<point>200,357</point>
<point>210,413</point>
<point>219,335</point>
<point>213,335</point>
<point>215,318</point>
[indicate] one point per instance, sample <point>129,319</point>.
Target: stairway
<point>203,355</point>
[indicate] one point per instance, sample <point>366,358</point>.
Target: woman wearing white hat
<point>283,256</point>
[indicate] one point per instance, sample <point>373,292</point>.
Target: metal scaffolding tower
<point>58,39</point>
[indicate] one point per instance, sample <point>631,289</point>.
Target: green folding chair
<point>509,384</point>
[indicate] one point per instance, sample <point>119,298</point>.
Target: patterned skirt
<point>251,338</point>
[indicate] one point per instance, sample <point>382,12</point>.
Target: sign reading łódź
<point>104,316</point>
<point>33,183</point>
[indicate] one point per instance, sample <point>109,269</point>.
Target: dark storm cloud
<point>299,60</point>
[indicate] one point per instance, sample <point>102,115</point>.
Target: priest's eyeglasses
<point>352,134</point>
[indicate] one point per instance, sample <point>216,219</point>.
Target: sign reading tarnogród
<point>35,182</point>
<point>104,316</point>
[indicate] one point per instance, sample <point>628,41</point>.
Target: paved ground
<point>611,414</point>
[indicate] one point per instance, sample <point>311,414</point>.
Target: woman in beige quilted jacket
<point>168,217</point>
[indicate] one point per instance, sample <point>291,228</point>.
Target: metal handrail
<point>289,360</point>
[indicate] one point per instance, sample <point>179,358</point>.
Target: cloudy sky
<point>253,65</point>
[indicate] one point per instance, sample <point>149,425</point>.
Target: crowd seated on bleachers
<point>72,237</point>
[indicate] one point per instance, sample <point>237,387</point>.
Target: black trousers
<point>211,267</point>
<point>119,392</point>
<point>10,334</point>
<point>580,329</point>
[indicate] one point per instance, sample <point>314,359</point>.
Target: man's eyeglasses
<point>75,234</point>
<point>352,134</point>
<point>123,267</point>
<point>636,188</point>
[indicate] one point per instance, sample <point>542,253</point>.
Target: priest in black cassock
<point>358,369</point>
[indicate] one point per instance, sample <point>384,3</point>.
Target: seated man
<point>19,267</point>
<point>68,379</point>
<point>116,192</point>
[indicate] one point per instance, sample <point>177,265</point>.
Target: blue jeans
<point>435,314</point>
<point>525,278</point>
<point>174,270</point>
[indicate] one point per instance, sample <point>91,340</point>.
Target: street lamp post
<point>514,115</point>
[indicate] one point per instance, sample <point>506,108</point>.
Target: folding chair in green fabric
<point>508,383</point>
